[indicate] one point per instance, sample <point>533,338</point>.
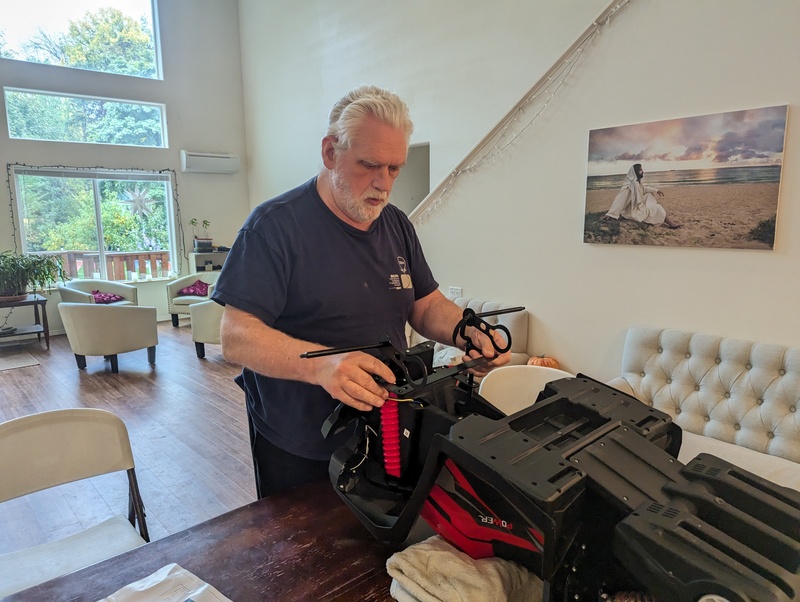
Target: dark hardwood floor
<point>187,426</point>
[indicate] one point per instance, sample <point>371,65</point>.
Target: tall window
<point>104,224</point>
<point>112,36</point>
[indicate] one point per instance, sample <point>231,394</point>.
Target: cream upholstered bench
<point>517,324</point>
<point>732,398</point>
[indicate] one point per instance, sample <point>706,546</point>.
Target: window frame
<point>162,108</point>
<point>158,62</point>
<point>95,175</point>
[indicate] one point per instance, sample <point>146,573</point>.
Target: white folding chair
<point>51,449</point>
<point>513,388</point>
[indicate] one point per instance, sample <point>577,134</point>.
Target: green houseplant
<point>19,273</point>
<point>202,243</point>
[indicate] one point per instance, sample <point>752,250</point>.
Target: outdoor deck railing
<point>140,265</point>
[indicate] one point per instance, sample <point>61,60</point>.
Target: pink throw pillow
<point>198,289</point>
<point>106,298</point>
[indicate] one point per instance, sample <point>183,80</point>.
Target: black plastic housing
<point>584,489</point>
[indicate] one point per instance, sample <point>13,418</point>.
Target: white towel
<point>435,571</point>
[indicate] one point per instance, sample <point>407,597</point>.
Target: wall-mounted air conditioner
<point>195,162</point>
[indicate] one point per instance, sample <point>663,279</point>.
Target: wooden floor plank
<point>186,421</point>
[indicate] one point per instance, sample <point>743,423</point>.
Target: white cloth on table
<point>637,202</point>
<point>435,571</point>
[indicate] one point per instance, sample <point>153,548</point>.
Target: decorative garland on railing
<point>512,125</point>
<point>179,243</point>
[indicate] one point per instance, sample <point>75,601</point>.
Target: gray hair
<point>362,103</point>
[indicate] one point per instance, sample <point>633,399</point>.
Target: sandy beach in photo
<point>712,215</point>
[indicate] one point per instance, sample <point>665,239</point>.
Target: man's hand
<point>349,377</point>
<point>484,348</point>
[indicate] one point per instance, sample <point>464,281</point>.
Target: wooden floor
<point>187,425</point>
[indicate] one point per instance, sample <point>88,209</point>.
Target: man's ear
<point>328,152</point>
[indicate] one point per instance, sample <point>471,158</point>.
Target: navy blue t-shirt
<point>303,271</point>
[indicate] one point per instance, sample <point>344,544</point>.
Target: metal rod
<point>324,352</point>
<point>499,311</point>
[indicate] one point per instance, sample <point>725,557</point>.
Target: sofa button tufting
<point>781,371</point>
<point>669,381</point>
<point>707,418</point>
<point>793,408</point>
<point>748,366</point>
<point>771,435</point>
<point>727,395</point>
<point>697,387</point>
<point>660,350</point>
<point>688,355</point>
<point>677,410</point>
<point>759,401</point>
<point>717,361</point>
<point>737,426</point>
<point>642,374</point>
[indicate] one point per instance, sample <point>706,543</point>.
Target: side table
<point>39,326</point>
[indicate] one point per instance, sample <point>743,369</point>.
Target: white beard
<point>356,208</point>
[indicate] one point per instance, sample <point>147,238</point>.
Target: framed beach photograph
<point>704,181</point>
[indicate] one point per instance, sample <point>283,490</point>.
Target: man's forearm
<point>435,317</point>
<point>249,342</point>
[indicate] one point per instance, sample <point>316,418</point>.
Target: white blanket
<point>435,571</point>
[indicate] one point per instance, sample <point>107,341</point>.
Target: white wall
<point>519,221</point>
<point>459,65</point>
<point>202,91</point>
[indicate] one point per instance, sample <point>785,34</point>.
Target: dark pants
<point>277,470</point>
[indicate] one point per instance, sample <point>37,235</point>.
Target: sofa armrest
<point>71,295</point>
<point>131,293</point>
<point>621,384</point>
<point>206,318</point>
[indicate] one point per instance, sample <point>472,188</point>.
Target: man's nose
<point>383,180</point>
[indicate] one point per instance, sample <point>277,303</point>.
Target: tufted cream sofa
<point>734,399</point>
<point>517,324</point>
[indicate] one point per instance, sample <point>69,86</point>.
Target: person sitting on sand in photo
<point>637,201</point>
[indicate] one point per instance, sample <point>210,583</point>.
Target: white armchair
<point>108,330</point>
<point>179,304</point>
<point>80,291</point>
<point>206,318</point>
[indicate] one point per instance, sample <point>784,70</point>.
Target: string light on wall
<point>520,118</point>
<point>112,173</point>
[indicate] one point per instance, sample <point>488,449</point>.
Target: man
<point>328,264</point>
<point>637,201</point>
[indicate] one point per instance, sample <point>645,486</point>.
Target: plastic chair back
<point>54,448</point>
<point>514,388</point>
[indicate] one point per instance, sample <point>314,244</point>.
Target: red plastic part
<point>457,526</point>
<point>390,435</point>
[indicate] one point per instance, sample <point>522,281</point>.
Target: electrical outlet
<point>455,292</point>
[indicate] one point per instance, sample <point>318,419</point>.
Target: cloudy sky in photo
<point>735,139</point>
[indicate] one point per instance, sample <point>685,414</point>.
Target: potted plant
<point>202,244</point>
<point>21,273</point>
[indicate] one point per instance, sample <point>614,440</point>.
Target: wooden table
<point>39,326</point>
<point>300,545</point>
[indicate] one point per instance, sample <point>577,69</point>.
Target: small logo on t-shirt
<point>403,279</point>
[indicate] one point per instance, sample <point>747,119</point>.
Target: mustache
<point>375,194</point>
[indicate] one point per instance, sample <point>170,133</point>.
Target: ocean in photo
<point>692,177</point>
